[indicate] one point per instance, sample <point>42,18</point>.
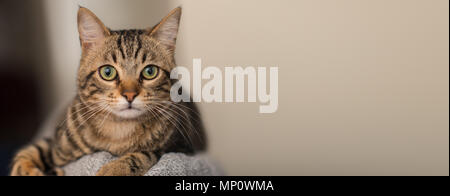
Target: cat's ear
<point>166,31</point>
<point>92,31</point>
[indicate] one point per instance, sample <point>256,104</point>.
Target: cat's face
<point>125,73</point>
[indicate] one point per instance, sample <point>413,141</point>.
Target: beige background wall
<point>363,84</point>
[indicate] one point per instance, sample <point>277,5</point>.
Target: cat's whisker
<point>181,108</point>
<point>178,104</point>
<point>169,118</point>
<point>149,109</point>
<point>176,123</point>
<point>104,119</point>
<point>155,115</point>
<point>93,114</point>
<point>90,110</point>
<point>186,117</point>
<point>175,112</point>
<point>79,110</point>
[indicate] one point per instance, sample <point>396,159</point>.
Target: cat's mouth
<point>130,108</point>
<point>129,112</point>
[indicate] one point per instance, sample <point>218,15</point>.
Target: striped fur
<point>91,122</point>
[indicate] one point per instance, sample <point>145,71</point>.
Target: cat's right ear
<point>92,31</point>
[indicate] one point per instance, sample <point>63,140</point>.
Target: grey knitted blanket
<point>170,164</point>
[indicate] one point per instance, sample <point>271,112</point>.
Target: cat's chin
<point>129,113</point>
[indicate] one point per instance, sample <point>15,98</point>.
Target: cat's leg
<point>131,164</point>
<point>46,156</point>
<point>35,160</point>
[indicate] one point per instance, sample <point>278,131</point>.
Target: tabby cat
<point>122,105</point>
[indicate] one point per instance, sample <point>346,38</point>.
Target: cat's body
<point>122,105</point>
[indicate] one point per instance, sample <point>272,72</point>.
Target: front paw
<point>26,168</point>
<point>29,168</point>
<point>116,168</point>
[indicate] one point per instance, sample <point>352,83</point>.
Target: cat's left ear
<point>166,31</point>
<point>92,31</point>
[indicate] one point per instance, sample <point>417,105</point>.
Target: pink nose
<point>129,95</point>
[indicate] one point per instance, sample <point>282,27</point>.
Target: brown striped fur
<point>92,121</point>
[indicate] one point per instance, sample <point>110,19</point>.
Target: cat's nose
<point>129,95</point>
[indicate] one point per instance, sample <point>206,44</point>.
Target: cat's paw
<point>26,168</point>
<point>116,168</point>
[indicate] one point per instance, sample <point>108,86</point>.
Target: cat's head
<point>124,72</point>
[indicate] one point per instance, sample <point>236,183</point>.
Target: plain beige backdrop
<point>363,84</point>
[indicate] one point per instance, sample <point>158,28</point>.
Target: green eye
<point>150,72</point>
<point>108,72</point>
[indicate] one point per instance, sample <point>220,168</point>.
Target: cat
<point>122,105</point>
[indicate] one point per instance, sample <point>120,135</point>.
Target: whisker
<point>93,114</point>
<point>177,123</point>
<point>178,104</point>
<point>155,114</point>
<point>104,119</point>
<point>78,110</point>
<point>185,117</point>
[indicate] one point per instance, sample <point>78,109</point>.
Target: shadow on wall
<point>24,75</point>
